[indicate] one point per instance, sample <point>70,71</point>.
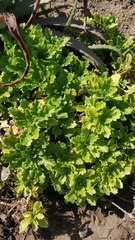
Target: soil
<point>123,9</point>
<point>69,222</point>
<point>111,219</point>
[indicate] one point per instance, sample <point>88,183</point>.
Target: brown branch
<point>121,209</point>
<point>36,5</point>
<point>11,22</point>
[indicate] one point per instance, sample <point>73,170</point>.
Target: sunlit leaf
<point>24,224</point>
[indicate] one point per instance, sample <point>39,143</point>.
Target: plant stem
<point>71,16</point>
<point>85,2</point>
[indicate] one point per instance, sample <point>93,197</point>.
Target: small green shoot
<point>35,218</point>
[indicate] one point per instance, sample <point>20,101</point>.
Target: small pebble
<point>84,233</point>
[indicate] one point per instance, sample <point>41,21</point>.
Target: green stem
<point>71,16</point>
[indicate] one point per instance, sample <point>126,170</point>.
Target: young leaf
<point>24,224</point>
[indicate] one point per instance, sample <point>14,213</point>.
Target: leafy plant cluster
<point>67,124</point>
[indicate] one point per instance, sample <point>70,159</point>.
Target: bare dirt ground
<point>67,221</point>
<point>123,9</point>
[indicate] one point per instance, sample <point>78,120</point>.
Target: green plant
<point>10,21</point>
<point>72,126</point>
<point>34,217</point>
